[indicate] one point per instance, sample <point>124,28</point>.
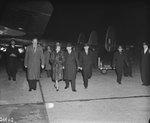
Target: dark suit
<point>145,67</point>
<point>12,61</point>
<point>119,60</point>
<point>70,68</point>
<point>128,69</point>
<point>86,64</point>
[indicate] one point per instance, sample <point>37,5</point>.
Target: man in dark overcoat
<point>86,63</point>
<point>145,64</point>
<point>128,69</point>
<point>34,60</point>
<point>70,67</point>
<point>95,58</point>
<point>47,59</point>
<point>119,60</point>
<point>12,60</point>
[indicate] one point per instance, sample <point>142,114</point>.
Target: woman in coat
<point>57,60</point>
<point>34,60</point>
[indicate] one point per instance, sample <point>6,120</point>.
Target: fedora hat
<point>69,45</point>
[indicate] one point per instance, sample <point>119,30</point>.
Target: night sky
<point>130,20</point>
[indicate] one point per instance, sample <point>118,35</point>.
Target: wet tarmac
<point>105,101</point>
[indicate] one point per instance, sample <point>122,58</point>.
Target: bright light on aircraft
<point>21,50</point>
<point>1,32</point>
<point>3,49</point>
<point>20,28</point>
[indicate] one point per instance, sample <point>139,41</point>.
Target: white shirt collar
<point>145,50</point>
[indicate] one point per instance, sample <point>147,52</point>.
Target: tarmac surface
<point>105,101</point>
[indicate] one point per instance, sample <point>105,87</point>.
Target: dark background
<point>129,20</point>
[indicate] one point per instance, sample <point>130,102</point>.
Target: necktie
<point>86,52</point>
<point>34,49</point>
<point>145,51</point>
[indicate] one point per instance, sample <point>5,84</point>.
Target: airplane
<point>105,60</point>
<point>22,21</point>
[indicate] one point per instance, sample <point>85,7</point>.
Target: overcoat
<point>47,60</point>
<point>57,60</point>
<point>119,60</point>
<point>70,65</point>
<point>145,67</point>
<point>86,63</point>
<point>33,61</point>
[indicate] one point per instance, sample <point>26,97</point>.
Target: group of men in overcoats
<point>65,65</point>
<point>74,62</point>
<point>121,60</point>
<point>71,63</point>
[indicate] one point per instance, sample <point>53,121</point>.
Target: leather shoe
<point>30,89</point>
<point>85,87</point>
<point>66,87</point>
<point>74,90</point>
<point>119,82</point>
<point>144,84</point>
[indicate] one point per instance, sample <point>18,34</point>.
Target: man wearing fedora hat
<point>119,59</point>
<point>34,61</point>
<point>85,59</point>
<point>70,67</point>
<point>145,64</point>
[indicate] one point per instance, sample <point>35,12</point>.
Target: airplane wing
<point>24,20</point>
<point>30,16</point>
<point>5,31</point>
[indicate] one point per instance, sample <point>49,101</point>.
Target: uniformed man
<point>12,54</point>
